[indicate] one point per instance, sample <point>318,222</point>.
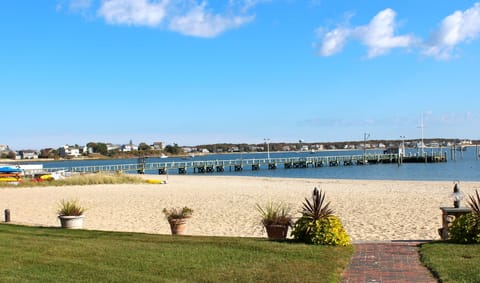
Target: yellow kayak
<point>10,179</point>
<point>46,177</point>
<point>154,181</point>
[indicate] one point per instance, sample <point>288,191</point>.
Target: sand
<point>225,206</point>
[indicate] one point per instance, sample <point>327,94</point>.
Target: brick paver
<point>387,263</point>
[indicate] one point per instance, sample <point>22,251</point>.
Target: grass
<point>83,179</point>
<point>452,262</point>
<point>33,254</point>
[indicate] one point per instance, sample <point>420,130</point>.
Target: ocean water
<point>465,167</point>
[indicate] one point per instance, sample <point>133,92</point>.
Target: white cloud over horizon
<point>133,12</point>
<point>198,22</point>
<point>379,35</point>
<point>187,17</point>
<point>202,18</point>
<point>454,29</point>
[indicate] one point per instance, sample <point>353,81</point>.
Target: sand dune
<point>225,206</point>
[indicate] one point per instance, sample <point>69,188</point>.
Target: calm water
<point>466,167</point>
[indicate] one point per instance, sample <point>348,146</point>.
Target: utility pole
<point>402,151</point>
<point>267,141</point>
<point>365,137</point>
<point>422,127</point>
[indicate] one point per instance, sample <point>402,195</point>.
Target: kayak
<point>10,179</point>
<point>5,175</point>
<point>154,181</point>
<point>9,169</point>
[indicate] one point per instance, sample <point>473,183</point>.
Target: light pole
<point>365,137</point>
<point>403,144</point>
<point>268,148</point>
<point>402,152</point>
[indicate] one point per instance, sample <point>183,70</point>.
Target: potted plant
<point>318,225</point>
<point>70,213</point>
<point>276,219</point>
<point>177,217</point>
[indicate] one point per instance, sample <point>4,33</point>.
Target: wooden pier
<point>236,165</point>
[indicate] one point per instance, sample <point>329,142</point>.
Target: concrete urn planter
<point>71,222</point>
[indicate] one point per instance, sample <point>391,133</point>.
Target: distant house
<point>3,147</point>
<point>317,146</point>
<point>128,147</point>
<point>113,146</point>
<point>28,154</point>
<point>234,149</point>
<point>158,146</point>
<point>67,151</point>
<point>257,148</point>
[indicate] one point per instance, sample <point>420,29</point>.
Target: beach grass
<point>452,262</point>
<point>83,180</point>
<point>38,254</point>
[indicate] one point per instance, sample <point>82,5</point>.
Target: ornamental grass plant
<point>177,212</point>
<point>70,208</point>
<point>275,213</point>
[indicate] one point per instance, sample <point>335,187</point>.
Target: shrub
<point>325,231</point>
<point>275,213</point>
<point>465,229</point>
<point>70,208</point>
<point>177,213</point>
<point>318,225</point>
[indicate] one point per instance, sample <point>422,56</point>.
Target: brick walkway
<point>387,263</point>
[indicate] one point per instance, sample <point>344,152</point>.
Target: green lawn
<point>53,254</point>
<point>452,262</point>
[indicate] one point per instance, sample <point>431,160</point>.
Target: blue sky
<point>194,72</point>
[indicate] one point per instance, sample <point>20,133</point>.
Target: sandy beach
<point>225,206</point>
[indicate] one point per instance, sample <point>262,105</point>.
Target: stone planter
<point>71,222</point>
<point>178,226</point>
<point>276,231</point>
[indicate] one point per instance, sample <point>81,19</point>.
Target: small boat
<point>155,181</point>
<point>10,179</point>
<point>10,169</point>
<point>163,156</point>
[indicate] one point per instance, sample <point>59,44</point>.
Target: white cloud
<point>134,12</point>
<point>333,41</point>
<point>187,17</point>
<point>378,36</point>
<point>198,22</point>
<point>456,28</point>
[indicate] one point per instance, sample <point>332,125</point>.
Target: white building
<point>128,147</point>
<point>68,151</point>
